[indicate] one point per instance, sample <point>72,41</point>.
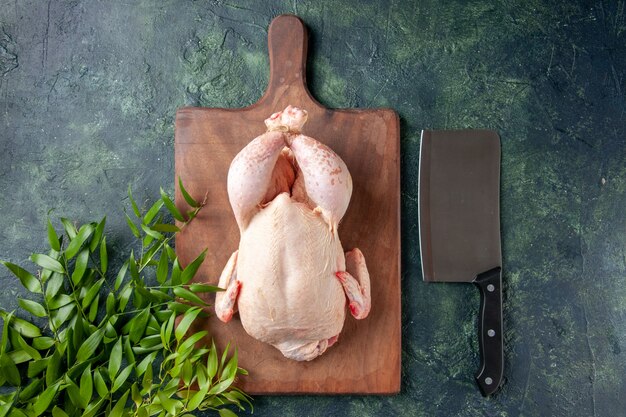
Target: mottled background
<point>88,93</point>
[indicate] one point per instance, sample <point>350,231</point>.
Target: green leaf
<point>230,370</point>
<point>37,367</point>
<point>89,347</point>
<point>147,240</point>
<point>34,388</point>
<point>192,268</point>
<point>152,212</point>
<point>5,407</point>
<point>162,269</point>
<point>91,293</point>
<point>132,203</point>
<point>93,309</point>
<point>171,253</point>
<point>57,412</point>
<point>43,343</point>
<point>132,264</point>
<point>30,351</point>
<point>224,356</point>
<point>128,351</point>
<point>186,321</point>
<point>81,265</point>
<point>147,257</point>
<point>61,315</point>
<point>138,325</point>
<point>160,315</point>
<point>120,276</point>
<point>110,334</point>
<point>32,307</point>
<point>188,198</point>
<point>155,319</point>
<point>158,296</point>
<point>197,398</point>
<point>27,279</point>
<point>69,228</point>
<point>165,228</point>
<point>15,412</point>
<point>142,411</point>
<point>170,405</point>
<point>166,330</point>
<point>187,372</point>
<point>74,393</point>
<point>175,277</point>
<point>19,356</point>
<point>188,295</point>
<point>146,381</point>
<point>150,341</point>
<point>54,284</point>
<point>78,336</point>
<point>236,397</point>
<point>171,207</point>
<point>101,386</point>
<point>53,239</point>
<point>92,408</point>
<point>25,328</point>
<point>46,273</point>
<point>59,301</point>
<point>145,363</point>
<point>121,378</point>
<point>179,308</point>
<point>9,370</point>
<point>189,342</point>
<point>139,297</point>
<point>83,234</point>
<point>45,399</point>
<point>204,288</point>
<point>86,384</point>
<point>135,395</point>
<point>118,410</point>
<point>124,297</point>
<point>225,412</point>
<point>116,358</point>
<point>104,260</point>
<point>95,240</point>
<point>47,262</point>
<point>132,227</point>
<point>4,341</point>
<point>211,364</point>
<point>68,346</point>
<point>221,386</point>
<point>53,368</point>
<point>151,233</point>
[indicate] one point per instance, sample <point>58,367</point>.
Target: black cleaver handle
<point>490,335</point>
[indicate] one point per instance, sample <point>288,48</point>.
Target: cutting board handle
<point>287,45</point>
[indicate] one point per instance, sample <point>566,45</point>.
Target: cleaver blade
<point>459,223</point>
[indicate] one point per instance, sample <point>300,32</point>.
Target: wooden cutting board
<point>366,359</point>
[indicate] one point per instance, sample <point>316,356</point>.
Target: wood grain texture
<point>366,359</point>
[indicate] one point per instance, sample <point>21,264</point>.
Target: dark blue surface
<point>88,93</point>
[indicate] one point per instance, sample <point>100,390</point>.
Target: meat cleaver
<point>459,222</point>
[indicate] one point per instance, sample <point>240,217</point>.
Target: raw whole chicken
<point>290,279</point>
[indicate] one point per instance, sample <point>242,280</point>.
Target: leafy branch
<point>115,343</point>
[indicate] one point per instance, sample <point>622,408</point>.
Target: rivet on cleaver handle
<point>459,221</point>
